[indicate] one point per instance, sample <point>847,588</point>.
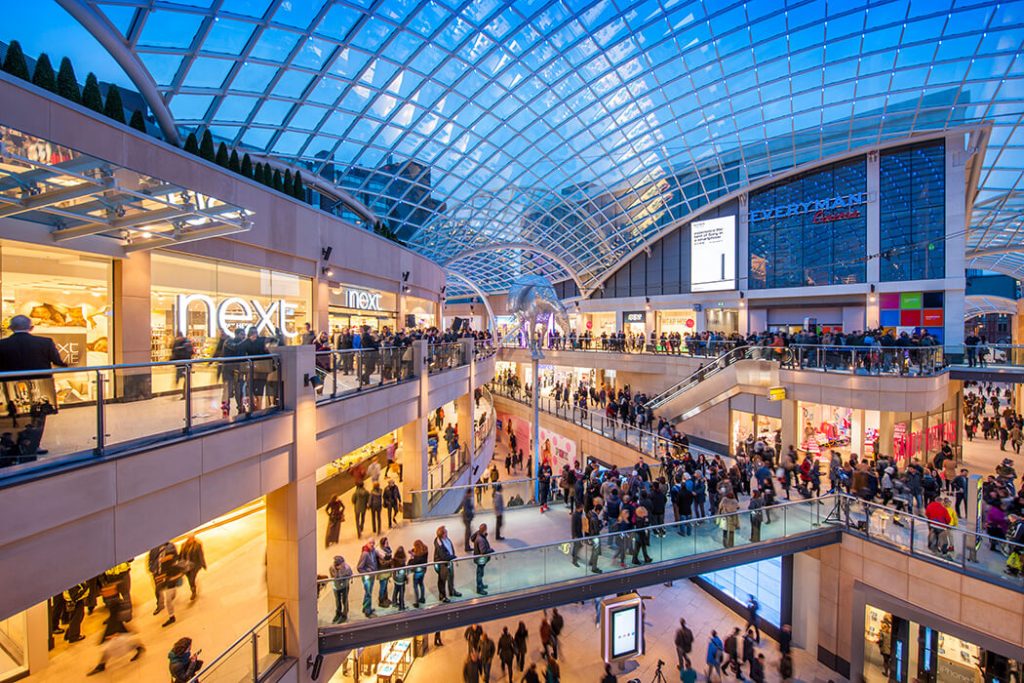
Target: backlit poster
<point>713,254</point>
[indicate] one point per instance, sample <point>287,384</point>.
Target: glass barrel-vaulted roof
<point>583,128</point>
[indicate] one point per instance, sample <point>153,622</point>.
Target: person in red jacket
<point>936,512</point>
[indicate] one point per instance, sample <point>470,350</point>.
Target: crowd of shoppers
<point>169,566</point>
<point>877,350</point>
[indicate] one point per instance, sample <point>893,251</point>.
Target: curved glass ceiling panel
<point>585,128</point>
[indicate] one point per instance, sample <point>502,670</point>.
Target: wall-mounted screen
<point>713,254</point>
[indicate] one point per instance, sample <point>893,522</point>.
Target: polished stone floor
<point>232,598</point>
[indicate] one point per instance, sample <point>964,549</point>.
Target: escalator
<point>745,369</point>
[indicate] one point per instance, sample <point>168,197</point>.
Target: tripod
<point>659,676</point>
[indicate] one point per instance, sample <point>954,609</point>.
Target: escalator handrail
<point>719,364</point>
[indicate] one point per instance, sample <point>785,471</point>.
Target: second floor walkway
<point>539,561</point>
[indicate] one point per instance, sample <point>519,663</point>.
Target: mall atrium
<point>427,341</point>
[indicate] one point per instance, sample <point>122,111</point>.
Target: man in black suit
<point>20,352</point>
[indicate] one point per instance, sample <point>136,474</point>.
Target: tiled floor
<point>580,656</point>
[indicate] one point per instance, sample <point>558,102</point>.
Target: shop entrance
<point>899,649</point>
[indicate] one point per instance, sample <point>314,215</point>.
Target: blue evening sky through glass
<point>531,97</point>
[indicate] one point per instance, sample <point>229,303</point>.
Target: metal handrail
<point>685,344</point>
<point>720,363</point>
<point>615,424</point>
<point>470,486</point>
<point>245,636</point>
<point>924,520</point>
<point>615,534</point>
<point>133,366</point>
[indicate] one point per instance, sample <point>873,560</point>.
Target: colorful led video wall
<point>913,313</point>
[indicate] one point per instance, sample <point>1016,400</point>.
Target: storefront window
<point>351,306</point>
<point>67,297</point>
<point>762,579</point>
<point>602,323</point>
<point>12,645</point>
<point>753,427</point>
<point>422,312</point>
<point>681,322</point>
<point>824,429</point>
<point>724,320</point>
<point>899,649</point>
<point>921,436</point>
<point>205,298</point>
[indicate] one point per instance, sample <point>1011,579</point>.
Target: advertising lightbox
<point>713,254</point>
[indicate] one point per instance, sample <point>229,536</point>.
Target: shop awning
<point>78,195</point>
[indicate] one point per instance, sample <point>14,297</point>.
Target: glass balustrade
<point>252,656</point>
<point>345,372</point>
<point>85,412</point>
<point>547,564</point>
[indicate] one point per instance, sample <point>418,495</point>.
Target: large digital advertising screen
<point>713,254</point>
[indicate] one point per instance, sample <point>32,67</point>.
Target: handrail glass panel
<point>250,657</point>
<point>542,565</point>
<point>343,372</point>
<point>78,412</point>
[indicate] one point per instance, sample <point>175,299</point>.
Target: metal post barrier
<point>188,397</point>
<point>250,392</point>
<point>100,414</point>
<point>335,357</point>
<point>254,642</point>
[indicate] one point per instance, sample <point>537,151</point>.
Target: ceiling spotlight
<point>327,271</point>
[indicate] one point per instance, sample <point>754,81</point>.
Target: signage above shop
<point>777,393</point>
<point>233,312</point>
<point>840,205</point>
<point>637,317</point>
<point>362,299</point>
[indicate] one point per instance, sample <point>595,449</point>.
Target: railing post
<point>100,414</point>
<point>359,369</point>
<point>248,386</point>
<point>188,398</point>
<point>254,642</point>
<point>335,357</point>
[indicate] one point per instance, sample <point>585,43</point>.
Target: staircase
<point>745,369</point>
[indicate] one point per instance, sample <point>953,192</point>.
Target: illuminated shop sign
<point>824,210</point>
<point>638,317</point>
<point>235,311</point>
<point>362,299</point>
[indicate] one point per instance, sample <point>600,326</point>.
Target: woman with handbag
<point>418,560</point>
<point>728,521</point>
